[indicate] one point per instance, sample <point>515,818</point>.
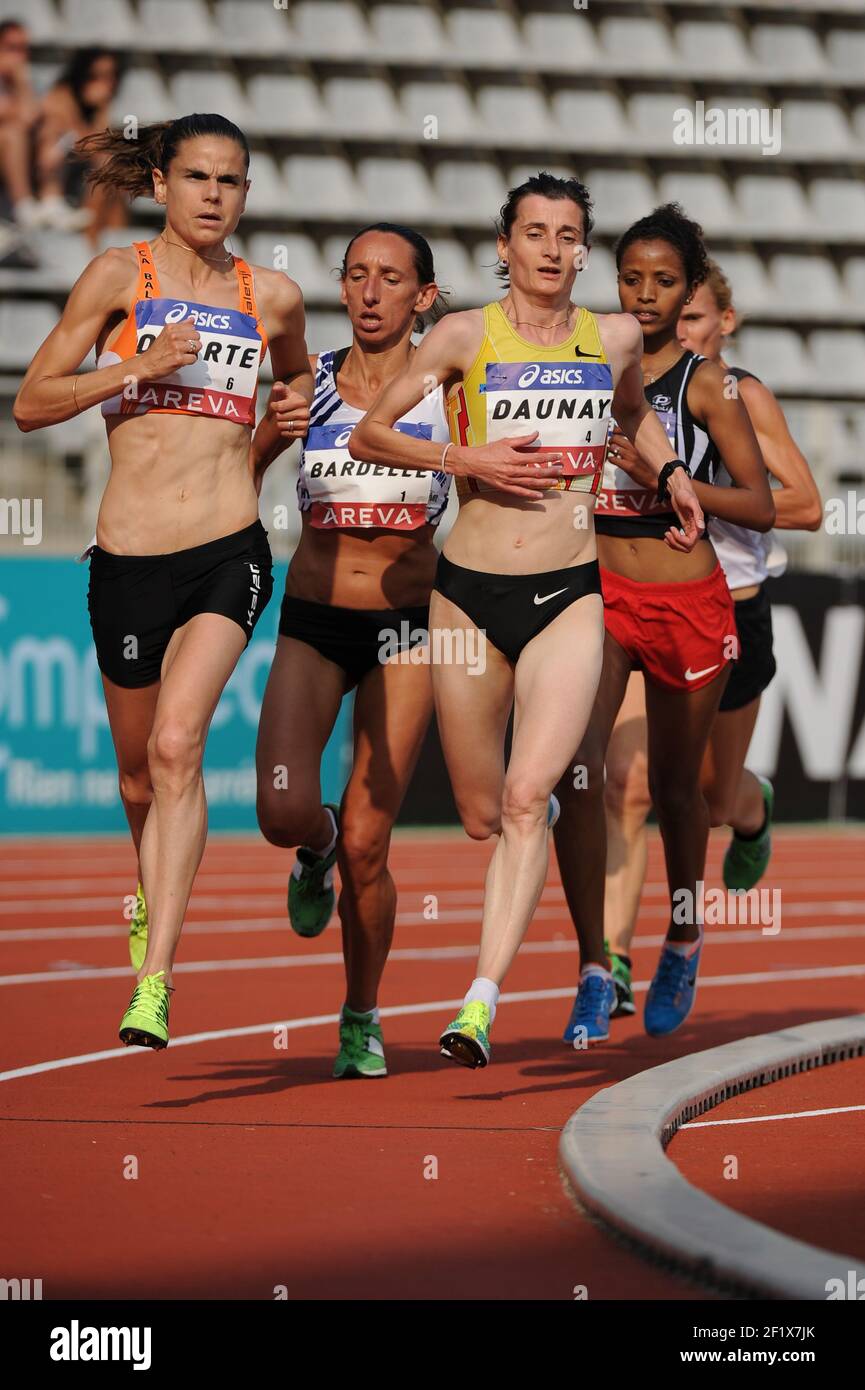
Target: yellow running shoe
<point>467,1039</point>
<point>145,1023</point>
<point>138,931</point>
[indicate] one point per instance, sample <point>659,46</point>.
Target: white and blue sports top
<point>747,557</point>
<point>341,492</point>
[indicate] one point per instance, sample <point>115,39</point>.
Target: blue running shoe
<point>672,992</point>
<point>554,810</point>
<point>590,1017</point>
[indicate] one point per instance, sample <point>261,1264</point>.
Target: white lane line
<point>762,1119</point>
<point>517,997</point>
<point>255,925</point>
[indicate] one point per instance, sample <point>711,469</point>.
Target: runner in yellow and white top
<point>532,382</point>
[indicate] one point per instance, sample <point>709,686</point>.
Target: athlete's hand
<point>623,454</point>
<point>178,345</point>
<point>289,411</point>
<point>509,465</point>
<point>688,510</point>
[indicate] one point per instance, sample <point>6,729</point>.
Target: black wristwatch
<point>664,477</point>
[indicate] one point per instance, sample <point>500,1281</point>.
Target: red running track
<point>256,1170</point>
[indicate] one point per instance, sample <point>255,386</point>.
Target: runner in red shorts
<point>668,614</point>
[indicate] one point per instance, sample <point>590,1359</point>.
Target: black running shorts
<point>136,602</point>
<point>754,669</point>
<point>353,638</point>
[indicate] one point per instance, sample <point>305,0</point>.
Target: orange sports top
<point>222,381</point>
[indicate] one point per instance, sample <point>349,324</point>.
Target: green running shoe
<point>145,1023</point>
<point>361,1046</point>
<point>138,931</point>
<point>621,973</point>
<point>746,861</point>
<point>311,898</point>
<point>467,1039</point>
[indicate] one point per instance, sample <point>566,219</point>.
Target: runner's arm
<point>749,502</point>
<point>294,379</point>
<point>443,358</point>
<point>797,501</point>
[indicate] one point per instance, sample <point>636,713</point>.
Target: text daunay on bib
<point>347,492</point>
<point>220,383</point>
<point>567,402</point>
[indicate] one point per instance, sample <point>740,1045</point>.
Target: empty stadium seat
<point>485,261</point>
<point>455,270</point>
<point>705,197</point>
<point>853,277</point>
<point>805,282</point>
<point>653,117</point>
<point>450,104</point>
<point>327,330</point>
<point>772,204</point>
<point>483,37</point>
<point>143,94</point>
<point>560,41</point>
<point>713,45</point>
<point>108,22</point>
<point>24,324</point>
<point>407,31</point>
<point>643,44</point>
<point>858,120</point>
<point>205,90</point>
<point>814,127</point>
<point>788,49</point>
<point>581,110</point>
<point>247,27</point>
<point>596,286</point>
<point>268,195</point>
<point>839,357</point>
<point>330,27</point>
<point>620,196</point>
<point>285,102</point>
<point>845,52</point>
<point>299,257</point>
<point>322,185</point>
<point>516,116</point>
<point>839,206</point>
<point>360,106</point>
<point>776,355</point>
<point>187,22</point>
<point>67,253</point>
<point>748,279</point>
<point>469,190</point>
<point>395,188</point>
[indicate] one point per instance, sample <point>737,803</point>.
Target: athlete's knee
<point>481,817</point>
<point>626,789</point>
<point>175,750</point>
<point>676,798</point>
<point>524,802</point>
<point>136,788</point>
<point>364,842</point>
<point>719,804</point>
<point>283,817</point>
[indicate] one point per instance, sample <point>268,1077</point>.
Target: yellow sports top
<point>515,387</point>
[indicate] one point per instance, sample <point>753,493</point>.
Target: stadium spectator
<point>76,106</point>
<point>19,110</point>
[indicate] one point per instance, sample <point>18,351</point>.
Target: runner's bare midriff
<point>363,569</point>
<point>649,560</point>
<point>499,533</point>
<point>176,482</point>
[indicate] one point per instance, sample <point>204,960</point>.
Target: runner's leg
<point>130,717</point>
<point>627,805</point>
<point>733,794</point>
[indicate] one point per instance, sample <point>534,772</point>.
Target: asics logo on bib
<point>550,376</point>
<point>183,311</point>
<point>530,375</point>
<point>341,441</point>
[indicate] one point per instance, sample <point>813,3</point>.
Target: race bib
<point>621,495</point>
<point>347,492</point>
<point>220,383</point>
<point>567,402</point>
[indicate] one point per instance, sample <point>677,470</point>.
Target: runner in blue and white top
<point>355,615</point>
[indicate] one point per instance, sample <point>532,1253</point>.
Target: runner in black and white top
<point>356,606</point>
<point>735,795</point>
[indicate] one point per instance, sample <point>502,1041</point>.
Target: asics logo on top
<point>183,311</point>
<point>538,599</point>
<point>342,438</point>
<point>530,375</point>
<point>695,675</point>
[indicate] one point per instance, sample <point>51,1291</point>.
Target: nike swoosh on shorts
<point>549,596</point>
<point>695,675</point>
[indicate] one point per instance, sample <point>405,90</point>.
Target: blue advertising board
<point>57,768</point>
